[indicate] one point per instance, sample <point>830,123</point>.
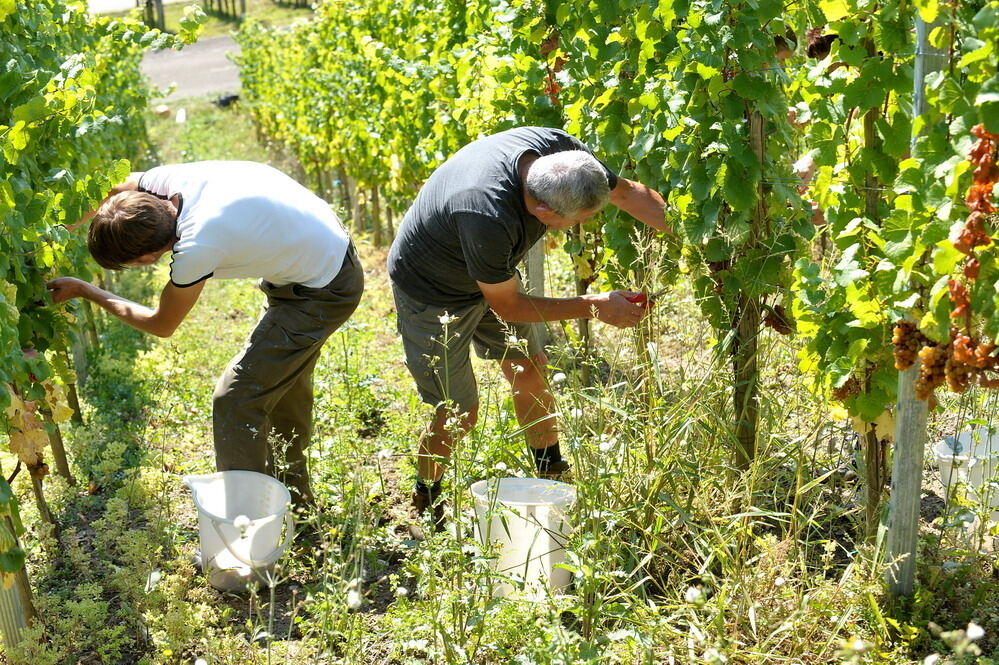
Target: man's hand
<point>66,288</point>
<point>615,308</point>
<point>511,304</point>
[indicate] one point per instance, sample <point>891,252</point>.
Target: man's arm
<point>174,305</point>
<point>511,304</point>
<point>129,185</point>
<point>644,204</point>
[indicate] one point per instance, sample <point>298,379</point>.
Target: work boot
<point>560,471</point>
<point>426,507</point>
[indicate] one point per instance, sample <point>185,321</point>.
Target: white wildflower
<point>975,632</point>
<point>354,600</point>
<point>712,655</point>
<point>401,592</point>
<point>694,595</point>
<point>780,581</point>
<point>558,377</point>
<point>201,661</point>
<point>242,522</point>
<point>500,466</point>
<point>576,413</point>
<point>932,659</point>
<point>446,318</point>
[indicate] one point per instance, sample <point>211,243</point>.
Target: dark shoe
<point>426,507</point>
<point>560,471</point>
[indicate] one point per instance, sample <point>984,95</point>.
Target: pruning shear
<point>644,300</point>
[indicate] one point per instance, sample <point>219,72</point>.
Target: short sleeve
<point>192,265</point>
<point>156,181</point>
<point>487,246</point>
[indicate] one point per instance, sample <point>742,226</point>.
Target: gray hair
<point>568,182</point>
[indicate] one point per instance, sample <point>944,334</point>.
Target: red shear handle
<point>640,299</point>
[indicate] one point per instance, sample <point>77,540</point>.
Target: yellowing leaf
<point>928,10</point>
<point>834,10</point>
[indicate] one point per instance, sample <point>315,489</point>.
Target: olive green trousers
<point>262,409</point>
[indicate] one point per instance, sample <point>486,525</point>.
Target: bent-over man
<point>455,282</point>
<point>225,220</point>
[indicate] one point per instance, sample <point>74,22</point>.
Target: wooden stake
<point>376,217</point>
<point>910,425</point>
<point>534,272</point>
<point>58,447</point>
<point>745,393</point>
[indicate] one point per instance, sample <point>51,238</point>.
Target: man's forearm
<point>531,309</point>
<point>138,316</point>
<point>644,204</point>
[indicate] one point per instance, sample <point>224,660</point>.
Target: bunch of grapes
<point>932,370</point>
<point>849,389</point>
<point>959,376</point>
<point>907,340</point>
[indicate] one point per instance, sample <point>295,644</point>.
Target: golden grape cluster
<point>961,362</point>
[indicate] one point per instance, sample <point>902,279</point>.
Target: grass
<point>270,12</point>
<point>676,558</point>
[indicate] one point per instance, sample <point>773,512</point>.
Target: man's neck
<point>523,166</point>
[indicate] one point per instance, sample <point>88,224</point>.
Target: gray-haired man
<point>453,269</point>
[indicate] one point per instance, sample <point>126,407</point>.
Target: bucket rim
<point>944,450</point>
<point>190,479</point>
<point>565,493</point>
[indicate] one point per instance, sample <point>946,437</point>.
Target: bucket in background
<point>245,525</point>
<point>525,518</point>
<point>971,460</point>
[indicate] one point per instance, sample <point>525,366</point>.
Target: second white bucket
<point>241,517</point>
<point>971,460</point>
<point>525,518</point>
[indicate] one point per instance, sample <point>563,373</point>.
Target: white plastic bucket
<point>970,461</point>
<point>241,517</point>
<point>525,519</point>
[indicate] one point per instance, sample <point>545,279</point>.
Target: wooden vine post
<point>376,218</point>
<point>534,264</point>
<point>910,424</point>
<point>747,328</point>
<point>16,606</point>
<point>874,447</point>
<point>11,616</point>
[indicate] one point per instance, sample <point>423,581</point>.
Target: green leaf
<point>738,188</point>
<point>990,116</point>
<point>848,270</point>
<point>705,72</point>
<point>946,258</point>
<point>989,92</point>
<point>644,141</point>
<point>12,561</point>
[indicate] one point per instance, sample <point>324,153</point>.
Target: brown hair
<point>129,225</point>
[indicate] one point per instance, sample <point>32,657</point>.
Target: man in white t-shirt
<point>227,220</point>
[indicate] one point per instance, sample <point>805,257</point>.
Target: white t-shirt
<point>243,219</point>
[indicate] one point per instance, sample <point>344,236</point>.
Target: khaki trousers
<point>263,400</point>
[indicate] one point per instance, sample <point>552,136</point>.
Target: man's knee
<point>447,419</point>
<point>527,373</point>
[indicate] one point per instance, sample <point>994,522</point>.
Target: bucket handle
<point>289,533</point>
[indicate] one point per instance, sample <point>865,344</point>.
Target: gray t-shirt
<point>468,224</point>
